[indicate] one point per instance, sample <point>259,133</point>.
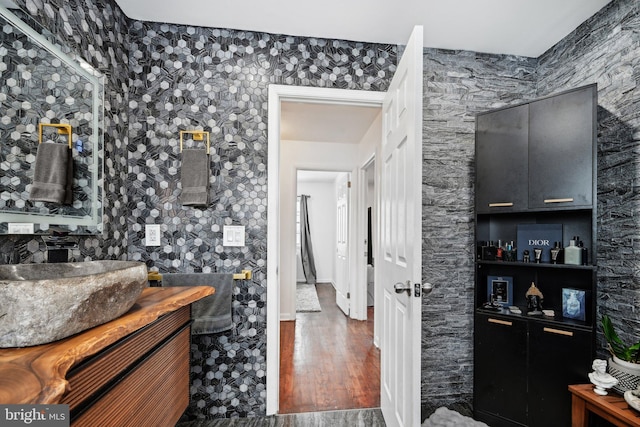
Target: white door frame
<point>360,302</point>
<point>277,94</point>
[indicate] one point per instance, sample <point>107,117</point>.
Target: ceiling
<point>518,27</point>
<point>325,122</point>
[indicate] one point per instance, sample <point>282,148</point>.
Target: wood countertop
<point>37,374</point>
<point>612,407</point>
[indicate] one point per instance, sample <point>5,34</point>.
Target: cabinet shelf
<point>558,322</point>
<point>538,265</point>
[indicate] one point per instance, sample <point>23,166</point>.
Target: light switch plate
<point>20,228</point>
<point>233,235</point>
<point>152,234</point>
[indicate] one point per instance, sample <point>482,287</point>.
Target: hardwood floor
<point>328,361</point>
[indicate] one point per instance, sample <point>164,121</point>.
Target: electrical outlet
<point>152,234</point>
<point>20,228</point>
<point>233,235</point>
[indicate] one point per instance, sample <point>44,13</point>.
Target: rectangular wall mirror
<point>42,85</point>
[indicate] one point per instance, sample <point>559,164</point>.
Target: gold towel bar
<point>198,135</point>
<point>63,129</point>
<point>244,275</point>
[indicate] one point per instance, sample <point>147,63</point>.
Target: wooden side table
<point>611,407</point>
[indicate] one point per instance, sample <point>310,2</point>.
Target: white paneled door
<point>399,254</point>
<point>342,247</point>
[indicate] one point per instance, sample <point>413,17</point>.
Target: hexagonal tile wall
<point>187,78</point>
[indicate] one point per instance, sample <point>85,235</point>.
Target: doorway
<point>280,272</point>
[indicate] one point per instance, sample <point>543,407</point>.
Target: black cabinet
<point>501,158</point>
<point>500,368</point>
<point>561,156</point>
<point>544,174</point>
<point>572,350</point>
<point>538,155</point>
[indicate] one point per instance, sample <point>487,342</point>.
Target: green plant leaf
<point>616,346</point>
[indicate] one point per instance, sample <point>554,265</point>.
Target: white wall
<point>302,155</point>
<point>322,223</point>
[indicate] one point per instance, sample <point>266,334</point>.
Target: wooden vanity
<point>133,370</point>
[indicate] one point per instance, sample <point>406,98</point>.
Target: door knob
<point>403,287</point>
<point>419,289</point>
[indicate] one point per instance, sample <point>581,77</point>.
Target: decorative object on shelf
<point>515,310</point>
<point>624,363</point>
<point>600,378</point>
<point>573,304</point>
<point>534,300</point>
<point>500,290</point>
<point>549,313</point>
<point>538,236</point>
<point>632,397</point>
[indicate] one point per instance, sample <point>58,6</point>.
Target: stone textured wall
<point>606,50</point>
<point>457,86</point>
<point>186,78</point>
<point>97,31</point>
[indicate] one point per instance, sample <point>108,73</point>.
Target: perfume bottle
<point>556,253</point>
<point>585,253</point>
<point>573,253</point>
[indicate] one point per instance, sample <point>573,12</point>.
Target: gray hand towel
<point>53,174</point>
<point>195,177</point>
<point>211,314</point>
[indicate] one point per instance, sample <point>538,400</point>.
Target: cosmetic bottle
<point>572,253</point>
<point>555,253</point>
<point>585,253</point>
<point>537,255</point>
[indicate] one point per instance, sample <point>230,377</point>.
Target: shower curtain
<point>306,249</point>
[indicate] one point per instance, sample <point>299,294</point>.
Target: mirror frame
<point>89,224</point>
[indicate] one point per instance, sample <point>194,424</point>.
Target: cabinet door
<point>561,150</point>
<point>501,160</point>
<point>558,356</point>
<point>500,373</point>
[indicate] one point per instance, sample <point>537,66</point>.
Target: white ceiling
<point>519,27</point>
<point>325,122</point>
<point>316,176</point>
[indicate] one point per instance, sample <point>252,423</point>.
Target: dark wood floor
<point>328,361</point>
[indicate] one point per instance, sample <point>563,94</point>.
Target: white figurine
<point>601,378</point>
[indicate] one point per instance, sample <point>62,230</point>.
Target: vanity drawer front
<point>156,393</point>
<point>97,372</point>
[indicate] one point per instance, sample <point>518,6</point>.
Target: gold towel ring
<point>63,129</point>
<point>198,135</point>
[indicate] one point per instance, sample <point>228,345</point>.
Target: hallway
<point>332,364</point>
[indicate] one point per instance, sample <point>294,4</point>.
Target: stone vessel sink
<point>41,303</point>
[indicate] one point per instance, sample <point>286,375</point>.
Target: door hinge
<point>348,184</point>
<point>348,295</point>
